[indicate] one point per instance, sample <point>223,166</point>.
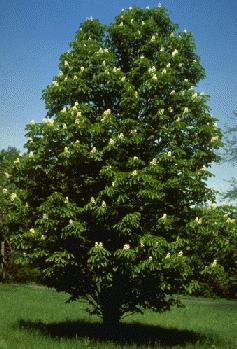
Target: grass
<point>37,317</point>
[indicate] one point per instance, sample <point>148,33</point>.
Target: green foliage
<point>213,251</point>
<point>110,177</point>
<point>231,156</point>
<point>7,158</point>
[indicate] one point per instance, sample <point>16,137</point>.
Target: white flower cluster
<point>17,161</point>
<point>194,95</point>
<point>153,162</point>
<point>104,204</point>
<point>152,70</point>
<point>126,247</point>
<point>101,50</point>
<point>186,110</point>
<point>198,220</point>
<point>66,201</point>
<point>93,150</point>
<point>111,141</point>
<point>134,173</point>
<point>76,104</point>
<point>77,120</point>
<point>92,200</point>
<point>214,263</point>
<point>164,216</point>
<point>115,69</point>
<point>161,111</point>
<point>106,114</point>
<point>180,254</point>
<point>55,83</point>
<point>66,150</point>
<point>174,53</point>
<point>214,138</point>
<point>99,244</point>
<point>4,190</point>
<point>230,220</point>
<point>49,122</point>
<point>13,196</point>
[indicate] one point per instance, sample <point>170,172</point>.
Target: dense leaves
<point>231,156</point>
<point>111,176</point>
<point>212,251</point>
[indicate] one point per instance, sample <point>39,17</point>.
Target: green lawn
<point>38,318</point>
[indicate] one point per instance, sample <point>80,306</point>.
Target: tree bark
<point>111,320</point>
<point>110,310</point>
<point>2,258</point>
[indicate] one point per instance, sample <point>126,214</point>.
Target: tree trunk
<point>111,320</point>
<point>2,258</point>
<point>110,311</point>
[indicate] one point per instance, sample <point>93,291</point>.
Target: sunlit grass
<point>37,317</point>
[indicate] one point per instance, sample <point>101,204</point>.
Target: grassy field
<point>34,317</point>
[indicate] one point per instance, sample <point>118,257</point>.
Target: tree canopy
<point>113,172</point>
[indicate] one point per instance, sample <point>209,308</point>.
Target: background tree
<point>113,172</point>
<point>212,250</point>
<point>231,156</point>
<point>7,158</point>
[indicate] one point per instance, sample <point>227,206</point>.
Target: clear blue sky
<point>35,32</point>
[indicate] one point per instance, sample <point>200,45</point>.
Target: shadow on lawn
<point>134,333</point>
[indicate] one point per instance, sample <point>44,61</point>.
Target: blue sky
<point>35,33</point>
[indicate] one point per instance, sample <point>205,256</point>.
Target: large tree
<point>113,172</point>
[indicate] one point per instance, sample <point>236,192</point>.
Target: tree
<point>114,170</point>
<point>7,158</point>
<point>231,156</point>
<point>214,267</point>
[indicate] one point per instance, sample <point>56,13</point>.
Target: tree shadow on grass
<point>134,333</point>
